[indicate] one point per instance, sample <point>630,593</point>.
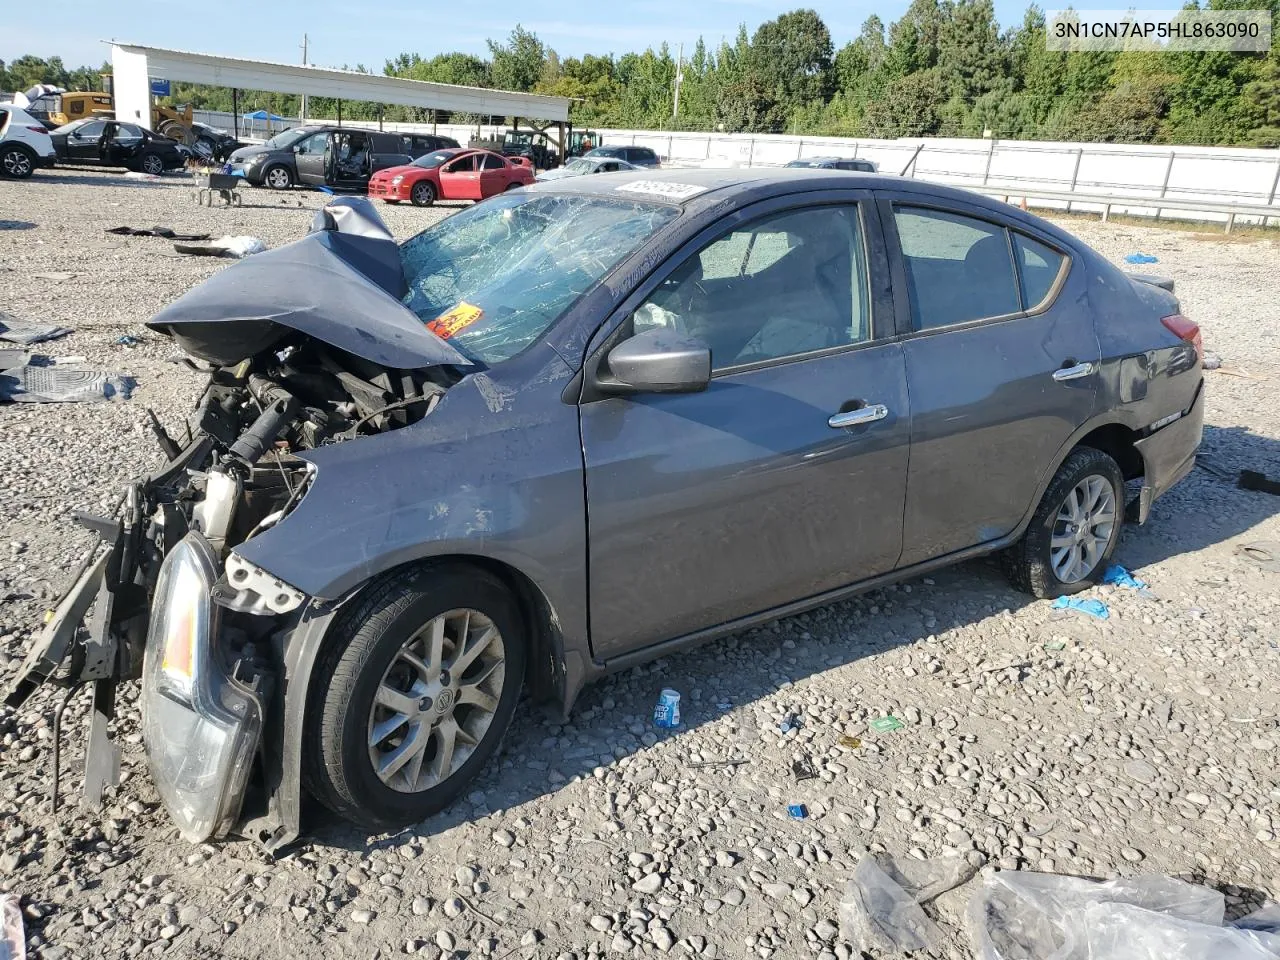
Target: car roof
<point>705,187</point>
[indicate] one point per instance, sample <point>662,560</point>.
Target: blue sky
<point>272,29</point>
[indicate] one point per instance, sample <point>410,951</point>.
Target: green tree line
<point>945,68</point>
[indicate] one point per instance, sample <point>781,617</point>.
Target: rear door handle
<point>852,418</point>
<point>1074,372</point>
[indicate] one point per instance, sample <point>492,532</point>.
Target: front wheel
<point>413,694</point>
<point>423,193</point>
<point>152,163</point>
<point>278,178</point>
<point>1075,529</point>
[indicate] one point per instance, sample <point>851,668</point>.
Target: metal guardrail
<point>1107,201</point>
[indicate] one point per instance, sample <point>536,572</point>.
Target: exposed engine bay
<point>239,474</point>
<point>164,596</point>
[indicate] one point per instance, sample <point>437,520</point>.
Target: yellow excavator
<point>53,107</point>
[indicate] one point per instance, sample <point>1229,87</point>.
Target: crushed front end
<point>164,597</point>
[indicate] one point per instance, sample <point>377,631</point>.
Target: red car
<point>451,175</point>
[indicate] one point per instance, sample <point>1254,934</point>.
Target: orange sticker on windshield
<point>458,318</point>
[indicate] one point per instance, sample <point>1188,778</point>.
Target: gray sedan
<point>580,166</point>
<point>583,425</point>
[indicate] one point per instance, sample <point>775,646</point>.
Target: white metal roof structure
<point>133,66</point>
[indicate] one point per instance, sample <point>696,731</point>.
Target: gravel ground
<point>1032,738</point>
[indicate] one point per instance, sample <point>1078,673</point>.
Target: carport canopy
<point>134,65</point>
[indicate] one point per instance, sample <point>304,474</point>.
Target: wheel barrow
<point>221,185</point>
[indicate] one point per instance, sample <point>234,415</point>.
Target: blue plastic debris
<point>797,811</point>
<point>1094,608</point>
<point>789,722</point>
<point>1118,576</point>
<point>1141,258</point>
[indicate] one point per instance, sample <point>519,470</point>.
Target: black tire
<point>278,177</point>
<point>351,667</point>
<point>389,201</point>
<point>1028,562</point>
<point>151,163</point>
<point>423,193</point>
<point>512,186</point>
<point>17,160</point>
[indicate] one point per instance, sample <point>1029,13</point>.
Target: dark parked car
<point>330,156</point>
<point>637,156</point>
<point>108,143</point>
<point>835,163</point>
<point>585,424</point>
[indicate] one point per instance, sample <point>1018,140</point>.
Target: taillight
<point>1185,329</point>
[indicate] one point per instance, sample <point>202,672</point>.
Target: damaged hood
<point>341,284</point>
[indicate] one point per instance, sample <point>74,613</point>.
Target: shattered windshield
<point>494,277</point>
<point>435,158</point>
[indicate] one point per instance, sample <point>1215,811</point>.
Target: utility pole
<point>675,107</point>
<point>303,118</point>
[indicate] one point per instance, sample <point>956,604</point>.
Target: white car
<point>583,165</point>
<point>24,143</point>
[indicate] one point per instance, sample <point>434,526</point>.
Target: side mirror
<point>658,361</point>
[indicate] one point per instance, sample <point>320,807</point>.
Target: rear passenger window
<point>1038,268</point>
<point>958,268</point>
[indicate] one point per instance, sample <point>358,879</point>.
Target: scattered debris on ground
<point>234,247</point>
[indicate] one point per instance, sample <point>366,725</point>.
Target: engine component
<point>213,515</point>
<point>278,410</point>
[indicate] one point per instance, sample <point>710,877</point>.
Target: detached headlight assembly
<point>200,726</point>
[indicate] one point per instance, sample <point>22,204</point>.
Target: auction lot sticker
<point>455,319</point>
<point>662,188</point>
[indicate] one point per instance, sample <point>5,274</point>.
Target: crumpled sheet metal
<point>342,288</point>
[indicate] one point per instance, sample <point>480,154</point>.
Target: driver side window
<point>314,144</point>
<point>788,284</point>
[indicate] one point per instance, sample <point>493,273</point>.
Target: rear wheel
<point>1074,532</point>
<point>17,161</point>
<point>278,177</point>
<point>151,163</point>
<point>413,694</point>
<point>423,193</point>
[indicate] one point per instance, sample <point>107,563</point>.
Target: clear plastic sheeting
<point>881,909</point>
<point>1040,916</point>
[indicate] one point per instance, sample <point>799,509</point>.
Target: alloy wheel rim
<point>1082,529</point>
<point>152,165</point>
<point>424,192</point>
<point>278,178</point>
<point>436,700</point>
<point>16,163</point>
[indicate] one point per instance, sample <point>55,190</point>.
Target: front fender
<point>495,472</point>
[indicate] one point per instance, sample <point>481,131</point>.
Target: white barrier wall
<point>1129,171</point>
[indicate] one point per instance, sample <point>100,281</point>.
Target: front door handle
<point>1073,372</point>
<point>852,418</point>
